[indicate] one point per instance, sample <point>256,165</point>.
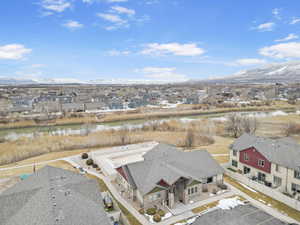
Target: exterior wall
<point>253,158</point>
<point>254,172</point>
<point>291,179</point>
<point>191,196</point>
<point>218,179</point>
<point>281,173</point>
<point>121,180</point>
<point>273,193</point>
<point>156,198</point>
<point>286,175</point>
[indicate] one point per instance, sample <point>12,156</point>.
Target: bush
<point>161,212</point>
<point>151,211</point>
<point>95,166</point>
<point>142,211</point>
<point>84,155</point>
<point>223,186</point>
<point>89,162</point>
<point>204,189</point>
<point>157,218</point>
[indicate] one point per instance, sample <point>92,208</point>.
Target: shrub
<point>157,218</point>
<point>142,211</point>
<point>214,191</point>
<point>161,212</point>
<point>151,211</point>
<point>95,166</point>
<point>89,162</point>
<point>204,189</point>
<point>223,186</point>
<point>84,155</point>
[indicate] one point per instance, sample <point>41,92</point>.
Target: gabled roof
<point>53,196</point>
<point>167,163</point>
<point>282,151</point>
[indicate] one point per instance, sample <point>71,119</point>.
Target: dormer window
<point>261,163</point>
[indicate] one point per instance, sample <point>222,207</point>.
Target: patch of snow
<point>247,187</point>
<point>192,220</point>
<point>168,215</point>
<point>229,203</point>
<point>211,194</point>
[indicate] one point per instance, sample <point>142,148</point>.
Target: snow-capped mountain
<point>277,72</point>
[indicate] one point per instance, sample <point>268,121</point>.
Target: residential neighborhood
<point>149,112</point>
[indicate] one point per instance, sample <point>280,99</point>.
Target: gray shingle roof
<point>166,162</point>
<point>240,215</point>
<point>283,151</point>
<point>53,196</point>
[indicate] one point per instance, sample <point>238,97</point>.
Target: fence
<point>275,194</point>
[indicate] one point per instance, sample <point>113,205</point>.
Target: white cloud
<point>56,5</point>
<point>250,61</point>
<point>173,49</point>
<point>73,25</point>
<point>123,10</point>
<point>282,51</point>
<point>295,21</point>
<point>116,20</point>
<point>117,52</point>
<point>288,38</point>
<point>162,73</point>
<point>13,51</point>
<point>265,27</point>
<point>276,13</point>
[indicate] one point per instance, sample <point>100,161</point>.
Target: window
<point>296,187</point>
<point>189,191</point>
<point>246,170</point>
<point>246,157</point>
<point>261,163</point>
<point>158,195</point>
<point>297,174</point>
<point>192,190</point>
<point>234,163</point>
<point>277,181</point>
<point>196,189</point>
<point>277,168</point>
<point>234,152</point>
<point>209,180</point>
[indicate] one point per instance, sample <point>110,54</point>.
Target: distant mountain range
<point>280,72</point>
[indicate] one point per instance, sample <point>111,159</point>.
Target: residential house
<point>53,196</point>
<point>168,176</point>
<point>273,162</point>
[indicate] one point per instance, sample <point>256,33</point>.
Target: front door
<point>261,177</point>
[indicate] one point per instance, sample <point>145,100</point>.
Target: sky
<point>172,40</point>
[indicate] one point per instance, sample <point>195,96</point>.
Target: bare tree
<point>249,125</point>
<point>236,125</point>
<point>233,125</point>
<point>292,128</point>
<point>189,139</point>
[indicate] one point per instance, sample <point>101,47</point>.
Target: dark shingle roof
<point>53,196</point>
<point>283,151</point>
<point>166,162</point>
